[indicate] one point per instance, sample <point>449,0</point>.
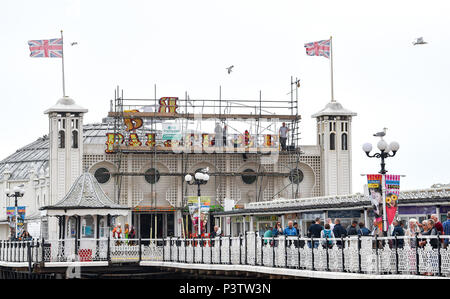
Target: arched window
<point>87,227</point>
<point>72,227</point>
<point>74,139</point>
<point>249,178</point>
<point>332,142</point>
<point>61,139</point>
<point>344,141</point>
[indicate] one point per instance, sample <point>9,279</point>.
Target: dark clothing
<point>283,143</point>
<point>398,231</point>
<point>434,242</point>
<point>338,232</point>
<point>364,231</point>
<point>351,231</point>
<point>314,230</point>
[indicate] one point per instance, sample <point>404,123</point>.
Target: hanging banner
<point>392,184</point>
<point>11,214</point>
<point>194,211</point>
<point>376,198</point>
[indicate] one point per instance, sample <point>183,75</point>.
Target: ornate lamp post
<point>384,153</point>
<point>17,192</point>
<point>200,177</point>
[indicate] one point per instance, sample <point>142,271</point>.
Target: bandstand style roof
<point>334,109</point>
<point>85,197</point>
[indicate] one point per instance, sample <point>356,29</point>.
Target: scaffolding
<point>252,124</point>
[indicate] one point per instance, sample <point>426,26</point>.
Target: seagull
<point>74,43</point>
<point>419,41</point>
<point>229,69</point>
<point>381,134</point>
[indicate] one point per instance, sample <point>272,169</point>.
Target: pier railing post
<point>439,256</point>
<point>359,254</point>
<point>229,249</point>
<point>312,253</point>
<point>140,247</point>
<point>328,258</point>
<point>396,254</point>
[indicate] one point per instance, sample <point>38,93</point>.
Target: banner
<point>11,214</point>
<point>194,211</point>
<point>392,184</point>
<point>376,198</point>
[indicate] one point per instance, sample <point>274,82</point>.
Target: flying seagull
<point>419,41</point>
<point>74,43</point>
<point>381,134</point>
<point>229,69</point>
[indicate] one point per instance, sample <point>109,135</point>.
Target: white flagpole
<point>331,66</point>
<point>62,54</point>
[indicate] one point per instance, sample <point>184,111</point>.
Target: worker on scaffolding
<point>283,136</point>
<point>224,135</point>
<point>218,137</point>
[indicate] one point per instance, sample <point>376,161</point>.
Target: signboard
<point>376,198</point>
<point>11,214</point>
<point>171,131</point>
<point>392,184</point>
<point>344,214</point>
<point>199,214</point>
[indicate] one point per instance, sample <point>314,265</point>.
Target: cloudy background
<point>186,45</point>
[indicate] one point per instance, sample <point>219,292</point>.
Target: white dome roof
<point>334,108</point>
<point>66,104</point>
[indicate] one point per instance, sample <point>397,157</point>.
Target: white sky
<point>186,45</point>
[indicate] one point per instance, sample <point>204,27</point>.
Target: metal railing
<point>419,255</point>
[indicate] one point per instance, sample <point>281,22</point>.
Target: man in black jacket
<point>351,230</point>
<point>339,231</point>
<point>314,232</point>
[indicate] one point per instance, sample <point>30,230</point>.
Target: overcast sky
<point>186,45</point>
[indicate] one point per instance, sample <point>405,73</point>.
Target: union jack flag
<point>320,48</point>
<point>52,48</point>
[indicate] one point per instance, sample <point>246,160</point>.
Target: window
<point>332,142</point>
<point>72,227</point>
<point>344,141</point>
<point>296,176</point>
<point>103,228</point>
<point>74,139</point>
<point>87,227</point>
<point>61,139</point>
<point>152,176</point>
<point>250,178</point>
<point>102,175</point>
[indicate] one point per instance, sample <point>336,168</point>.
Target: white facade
<point>325,171</point>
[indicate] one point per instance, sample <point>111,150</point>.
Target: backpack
<point>327,234</point>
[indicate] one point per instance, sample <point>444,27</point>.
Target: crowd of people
<point>415,230</point>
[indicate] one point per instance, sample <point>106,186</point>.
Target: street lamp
<point>17,192</point>
<point>200,177</point>
<point>384,153</point>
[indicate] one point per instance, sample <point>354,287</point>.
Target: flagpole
<point>62,55</point>
<point>331,66</point>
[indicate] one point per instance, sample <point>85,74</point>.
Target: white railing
<point>420,255</point>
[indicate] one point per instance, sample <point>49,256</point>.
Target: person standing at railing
<point>412,231</point>
<point>132,235</point>
<point>363,230</point>
<point>267,234</point>
<point>277,231</point>
<point>283,136</point>
<point>314,232</point>
<point>351,230</point>
<point>290,230</point>
<point>327,233</point>
<point>339,231</point>
<point>446,227</point>
<point>398,231</point>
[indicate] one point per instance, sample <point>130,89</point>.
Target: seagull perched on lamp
<point>381,134</point>
<point>419,41</point>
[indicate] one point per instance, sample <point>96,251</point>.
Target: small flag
<point>320,48</point>
<point>52,48</point>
